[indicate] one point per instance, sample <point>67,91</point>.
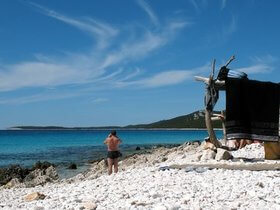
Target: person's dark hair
<point>113,132</point>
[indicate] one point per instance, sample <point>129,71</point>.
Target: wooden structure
<point>209,115</point>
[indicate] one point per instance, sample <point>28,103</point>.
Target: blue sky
<point>98,63</point>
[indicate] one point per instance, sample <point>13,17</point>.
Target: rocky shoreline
<point>150,181</point>
<point>42,172</point>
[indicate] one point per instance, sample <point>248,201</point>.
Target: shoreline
<point>146,182</point>
<point>64,172</point>
<point>106,129</point>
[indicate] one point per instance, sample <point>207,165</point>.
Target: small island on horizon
<point>194,120</point>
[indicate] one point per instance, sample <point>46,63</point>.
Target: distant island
<point>193,120</point>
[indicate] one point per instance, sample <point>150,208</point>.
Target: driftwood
<point>211,132</point>
<point>208,122</point>
<point>252,166</point>
<point>222,118</point>
<point>219,85</point>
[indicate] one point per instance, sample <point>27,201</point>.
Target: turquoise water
<point>64,146</point>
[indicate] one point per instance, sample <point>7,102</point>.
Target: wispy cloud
<point>101,31</point>
<point>37,98</point>
<point>261,65</point>
<point>146,7</point>
<point>39,74</point>
<point>165,78</point>
<point>268,59</point>
<point>223,5</point>
<point>195,5</point>
<point>256,69</point>
<point>229,29</point>
<point>99,100</point>
<point>102,67</point>
<point>136,50</point>
<point>199,5</point>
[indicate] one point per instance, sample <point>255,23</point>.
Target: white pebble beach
<point>147,187</point>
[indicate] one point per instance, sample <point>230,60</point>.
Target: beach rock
<point>34,196</point>
<point>79,177</point>
<point>38,208</point>
<point>17,176</point>
<point>42,165</point>
<point>41,176</point>
<point>51,172</point>
<point>72,166</point>
<point>138,203</point>
<point>191,147</point>
<point>196,143</point>
<point>89,205</point>
<point>208,145</point>
<point>164,159</point>
<point>137,148</point>
<point>14,171</point>
<point>102,164</point>
<point>13,183</point>
<point>223,154</point>
<point>29,177</point>
<point>208,155</point>
<point>39,180</point>
<point>195,157</point>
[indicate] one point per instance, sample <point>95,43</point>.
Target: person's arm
<point>119,141</point>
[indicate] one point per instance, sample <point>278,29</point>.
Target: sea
<point>63,147</point>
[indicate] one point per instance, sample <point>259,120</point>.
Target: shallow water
<point>25,147</point>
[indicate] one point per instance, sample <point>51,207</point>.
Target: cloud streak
<point>101,31</point>
<point>261,65</point>
<point>103,67</point>
<point>223,5</point>
<point>39,74</point>
<point>229,29</point>
<point>146,7</point>
<point>195,5</point>
<point>256,69</point>
<point>165,78</point>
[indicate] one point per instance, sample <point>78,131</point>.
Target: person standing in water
<point>112,142</point>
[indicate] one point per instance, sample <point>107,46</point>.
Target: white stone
<point>223,154</point>
<point>208,155</point>
<point>34,196</point>
<point>89,205</point>
<point>160,207</point>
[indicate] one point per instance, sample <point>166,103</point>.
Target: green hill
<point>193,120</point>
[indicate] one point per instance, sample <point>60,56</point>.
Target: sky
<point>101,63</point>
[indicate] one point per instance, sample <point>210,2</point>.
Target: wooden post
<point>224,125</point>
<point>221,117</point>
<point>210,129</point>
<point>208,113</point>
<point>219,85</point>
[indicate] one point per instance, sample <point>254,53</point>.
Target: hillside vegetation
<point>193,120</point>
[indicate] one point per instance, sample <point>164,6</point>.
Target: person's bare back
<point>112,143</point>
